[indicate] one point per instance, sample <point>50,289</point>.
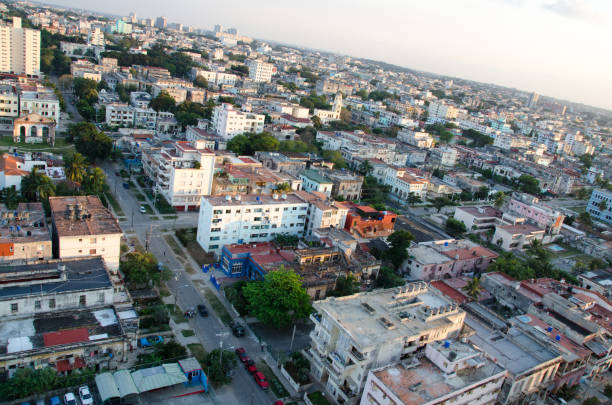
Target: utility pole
<point>132,218</point>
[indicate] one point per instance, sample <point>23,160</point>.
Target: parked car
<point>250,366</point>
<point>203,310</point>
<point>126,186</point>
<point>241,353</point>
<point>55,401</point>
<point>237,329</point>
<point>260,379</point>
<point>70,399</point>
<point>190,313</point>
<point>85,395</point>
<point>142,209</point>
<point>279,402</point>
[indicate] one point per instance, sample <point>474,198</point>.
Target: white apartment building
<point>356,333</point>
<point>145,118</point>
<point>19,49</point>
<point>119,115</point>
<point>9,105</point>
<point>415,138</point>
<point>140,99</point>
<point>444,156</point>
<point>249,218</point>
<point>83,227</point>
<point>216,78</point>
<point>451,372</point>
<point>516,237</point>
<point>183,173</point>
<point>404,183</point>
<point>313,181</point>
<point>323,213</point>
<point>440,110</point>
<point>260,71</point>
<point>95,37</point>
<point>39,100</point>
<point>228,122</point>
<point>179,94</point>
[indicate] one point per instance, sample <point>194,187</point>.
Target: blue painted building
<point>194,373</point>
<point>252,260</point>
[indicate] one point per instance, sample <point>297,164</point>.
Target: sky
<point>558,48</point>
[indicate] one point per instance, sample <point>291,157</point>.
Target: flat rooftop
<point>51,277</point>
<point>25,224</point>
<point>515,350</point>
<point>385,315</point>
<point>428,255</point>
<point>58,328</point>
<point>82,215</point>
<point>482,212</point>
<point>426,382</point>
<point>251,199</point>
<point>316,177</point>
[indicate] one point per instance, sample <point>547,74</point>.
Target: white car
<point>143,209</point>
<point>85,395</point>
<point>70,399</point>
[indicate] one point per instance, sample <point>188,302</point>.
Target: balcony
<point>315,318</point>
<point>357,356</point>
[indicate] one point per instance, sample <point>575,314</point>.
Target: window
<point>92,240</point>
<point>228,211</point>
<point>52,303</point>
<point>92,251</point>
<point>213,246</point>
<point>37,304</point>
<point>101,298</point>
<point>218,212</point>
<point>236,268</point>
<point>14,307</point>
<point>215,229</point>
<point>214,238</point>
<point>82,300</point>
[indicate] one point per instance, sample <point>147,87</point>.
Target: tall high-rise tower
<point>337,107</point>
<point>533,100</point>
<point>20,49</point>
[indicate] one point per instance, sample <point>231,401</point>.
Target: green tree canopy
<point>36,186</point>
<point>388,279</point>
<point>90,142</point>
<point>455,227</point>
<point>400,241</point>
<point>249,143</point>
<point>163,102</point>
<point>529,184</point>
<point>200,81</point>
<point>473,288</point>
<point>345,285</point>
<point>278,300</point>
<point>76,167</point>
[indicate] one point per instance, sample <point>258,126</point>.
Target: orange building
<point>366,222</point>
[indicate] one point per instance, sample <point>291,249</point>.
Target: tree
<point>388,279</point>
<point>36,186</point>
<point>95,180</point>
<point>608,390</point>
<point>163,102</point>
<point>345,285</point>
<point>591,401</point>
<point>141,269</point>
<point>603,206</point>
<point>90,142</point>
<point>509,264</point>
<point>400,242</point>
<point>582,194</point>
<point>529,184</point>
<point>316,122</point>
<point>586,160</point>
<point>76,166</point>
<point>445,136</point>
<point>249,143</point>
<point>500,198</point>
<point>218,366</point>
<point>584,218</point>
<point>335,157</point>
<point>482,193</point>
<point>279,300</point>
<point>283,187</point>
<point>200,81</point>
<point>455,227</point>
<point>10,197</point>
<point>365,168</point>
<point>440,202</point>
<point>473,288</point>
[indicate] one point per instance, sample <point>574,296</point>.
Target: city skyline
<point>558,40</point>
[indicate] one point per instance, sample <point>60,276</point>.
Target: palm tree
<point>536,249</point>
<point>36,186</point>
<point>499,199</point>
<point>10,197</point>
<point>473,288</point>
<point>76,167</point>
<point>95,180</point>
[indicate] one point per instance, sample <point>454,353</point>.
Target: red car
<point>241,353</point>
<point>279,402</point>
<point>260,379</point>
<point>250,366</point>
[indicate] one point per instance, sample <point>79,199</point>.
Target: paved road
<point>209,330</point>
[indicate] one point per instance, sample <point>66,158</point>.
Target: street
<point>210,331</point>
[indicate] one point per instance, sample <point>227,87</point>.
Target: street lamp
<point>221,335</point>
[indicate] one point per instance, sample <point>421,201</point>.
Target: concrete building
<point>478,219</point>
<point>600,205</point>
<point>315,181</point>
<point>182,173</point>
<point>599,280</point>
<point>228,122</point>
<point>441,110</point>
<point>451,372</point>
<point>541,214</point>
<point>9,105</point>
<point>24,235</point>
<point>39,100</point>
<point>322,212</point>
<point>516,237</point>
<point>345,184</point>
<point>260,71</point>
<point>280,162</point>
<point>330,115</point>
<point>119,115</point>
<point>444,156</point>
<point>12,170</point>
<point>20,49</point>
<point>161,22</point>
<point>443,259</point>
<point>533,100</point>
<point>366,222</point>
<point>415,138</point>
<point>95,37</point>
<point>355,333</point>
<point>83,227</point>
<point>227,220</point>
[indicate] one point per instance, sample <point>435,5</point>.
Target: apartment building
<point>478,219</point>
<point>140,99</point>
<point>441,110</point>
<point>345,184</point>
<point>95,37</point>
<point>182,172</point>
<point>226,220</point>
<point>357,146</point>
<point>356,333</point>
<point>443,156</point>
<point>39,100</point>
<point>451,372</point>
<point>83,227</point>
<point>600,205</point>
<point>119,115</point>
<point>228,122</point>
<point>517,236</point>
<point>214,77</point>
<point>542,215</point>
<point>24,235</point>
<point>20,49</point>
<point>366,222</point>
<point>322,212</point>
<point>405,182</point>
<point>9,105</point>
<point>416,138</point>
<point>441,259</point>
<point>280,162</point>
<point>260,71</point>
<point>314,181</point>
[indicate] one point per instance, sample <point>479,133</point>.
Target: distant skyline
<point>557,48</point>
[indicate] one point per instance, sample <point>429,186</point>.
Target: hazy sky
<point>560,48</point>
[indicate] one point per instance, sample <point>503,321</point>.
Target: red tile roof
<point>66,336</point>
<point>449,291</point>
